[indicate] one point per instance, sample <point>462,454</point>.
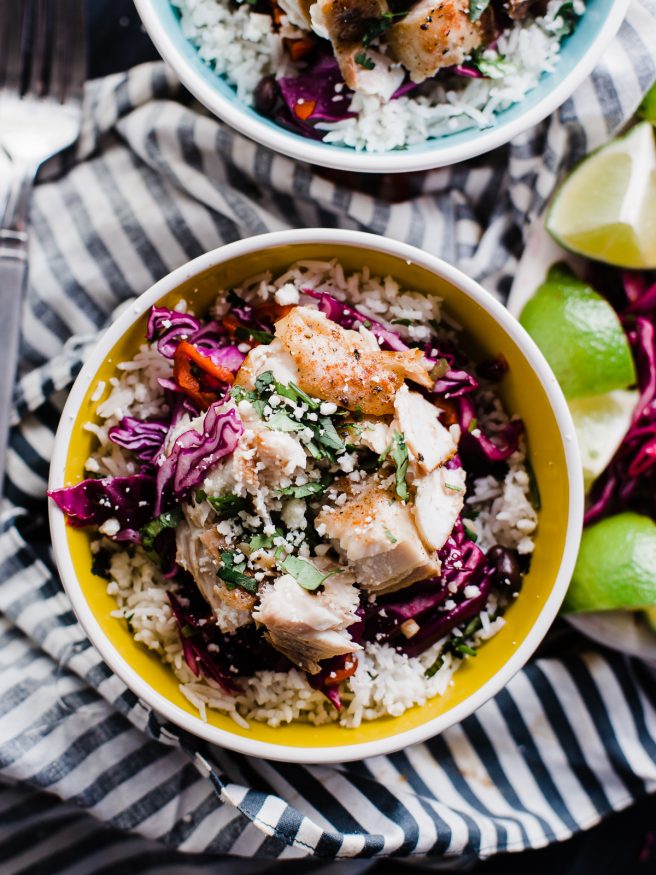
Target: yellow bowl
<point>529,390</point>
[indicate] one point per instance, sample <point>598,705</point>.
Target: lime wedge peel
<point>616,566</point>
<point>606,208</point>
<point>580,335</point>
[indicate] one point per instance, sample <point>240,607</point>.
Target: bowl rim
<point>193,723</point>
<point>344,158</point>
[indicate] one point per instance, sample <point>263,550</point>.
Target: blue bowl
<point>579,53</point>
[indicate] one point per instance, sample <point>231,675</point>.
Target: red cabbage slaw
<point>629,480</point>
<point>167,478</point>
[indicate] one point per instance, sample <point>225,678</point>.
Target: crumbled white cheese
<point>110,527</point>
<point>287,294</point>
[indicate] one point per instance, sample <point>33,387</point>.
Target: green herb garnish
<point>390,537</point>
<point>465,649</point>
<point>362,59</point>
<point>314,487</point>
<point>399,453</point>
<point>167,520</point>
<point>227,505</point>
<point>304,573</point>
<point>233,574</point>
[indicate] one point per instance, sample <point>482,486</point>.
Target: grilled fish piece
<point>377,535</point>
<point>347,367</point>
<point>198,551</point>
<point>308,627</point>
<point>428,440</point>
<point>434,35</point>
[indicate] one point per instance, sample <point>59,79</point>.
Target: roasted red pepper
<point>198,376</point>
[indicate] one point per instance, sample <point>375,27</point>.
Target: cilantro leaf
<point>304,572</point>
<point>233,574</point>
<point>167,520</point>
<point>281,421</point>
<point>227,505</point>
<point>314,487</point>
<point>362,59</point>
<point>399,453</point>
<point>264,542</point>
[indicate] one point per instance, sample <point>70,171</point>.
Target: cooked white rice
<point>386,682</point>
<point>243,47</point>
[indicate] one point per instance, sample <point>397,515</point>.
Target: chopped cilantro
<point>399,453</point>
<point>304,572</point>
<point>227,505</point>
<point>390,537</point>
<point>281,421</point>
<point>314,487</point>
<point>264,542</point>
<point>233,575</point>
<point>167,520</point>
<point>200,496</point>
<point>362,59</point>
<point>245,333</point>
<point>435,667</point>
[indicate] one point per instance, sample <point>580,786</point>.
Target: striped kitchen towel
<point>155,182</point>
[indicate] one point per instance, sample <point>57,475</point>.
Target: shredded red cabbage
<point>463,564</point>
<point>194,453</point>
<point>194,647</point>
<point>130,500</point>
<point>168,328</point>
<point>316,87</point>
<point>464,70</point>
<point>455,383</point>
<point>347,317</point>
<point>142,437</point>
<point>478,449</point>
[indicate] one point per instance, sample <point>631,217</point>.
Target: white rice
<point>243,46</point>
<point>386,682</point>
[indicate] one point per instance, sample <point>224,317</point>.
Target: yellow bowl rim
<point>289,753</point>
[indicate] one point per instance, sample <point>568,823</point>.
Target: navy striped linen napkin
<point>154,183</point>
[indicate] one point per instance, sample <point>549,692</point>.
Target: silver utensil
<point>42,71</point>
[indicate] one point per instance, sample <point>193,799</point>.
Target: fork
<point>42,71</point>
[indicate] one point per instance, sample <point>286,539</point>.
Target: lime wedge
<point>616,566</point>
<point>606,208</point>
<point>580,335</point>
<point>601,423</point>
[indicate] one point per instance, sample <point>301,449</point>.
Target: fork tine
<point>68,69</point>
<point>13,20</point>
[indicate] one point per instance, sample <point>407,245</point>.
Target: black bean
<point>265,96</point>
<point>508,574</point>
<point>493,369</point>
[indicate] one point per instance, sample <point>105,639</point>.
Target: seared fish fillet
<point>347,367</point>
<point>308,627</point>
<point>434,35</point>
<point>377,535</point>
